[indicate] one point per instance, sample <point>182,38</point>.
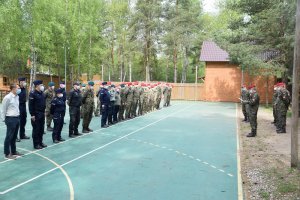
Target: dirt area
<point>265,161</point>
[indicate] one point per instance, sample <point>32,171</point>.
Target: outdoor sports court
<point>186,151</point>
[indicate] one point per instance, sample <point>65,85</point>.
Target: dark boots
<point>252,134</point>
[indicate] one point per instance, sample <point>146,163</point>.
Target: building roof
<point>212,52</point>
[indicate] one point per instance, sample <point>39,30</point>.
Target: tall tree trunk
<point>175,62</point>
<point>78,61</point>
<point>90,52</point>
<point>130,70</point>
<point>167,71</point>
<point>175,51</point>
<point>267,91</point>
<point>185,66</point>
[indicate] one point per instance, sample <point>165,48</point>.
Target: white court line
<point>183,154</point>
<point>90,152</point>
<point>96,131</point>
<point>71,188</point>
<point>239,174</point>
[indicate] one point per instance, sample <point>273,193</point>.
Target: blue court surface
<point>186,151</point>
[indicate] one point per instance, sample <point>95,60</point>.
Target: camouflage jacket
<point>283,100</point>
<point>254,103</point>
<point>88,98</point>
<point>49,96</point>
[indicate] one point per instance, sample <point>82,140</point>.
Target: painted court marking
<point>180,153</point>
<point>71,188</point>
<point>88,153</point>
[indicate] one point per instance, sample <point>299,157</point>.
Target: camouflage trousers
<point>134,107</point>
<point>141,107</point>
<point>128,109</point>
<point>274,114</point>
<point>49,118</point>
<point>281,120</point>
<point>245,109</point>
<point>87,116</point>
<point>253,121</point>
<point>121,112</point>
<point>158,100</point>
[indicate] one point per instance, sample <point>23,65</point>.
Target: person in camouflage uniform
<point>129,101</point>
<point>88,105</point>
<point>82,90</point>
<point>146,99</point>
<point>97,110</point>
<point>169,95</point>
<point>136,98</point>
<point>158,96</point>
<point>49,96</point>
<point>165,93</point>
<point>123,94</point>
<point>245,105</point>
<point>117,105</point>
<point>142,99</point>
<point>282,106</point>
<point>253,109</point>
<point>275,95</point>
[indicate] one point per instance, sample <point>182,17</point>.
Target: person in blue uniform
<point>37,106</point>
<point>105,101</point>
<point>62,85</point>
<point>22,108</point>
<point>57,110</point>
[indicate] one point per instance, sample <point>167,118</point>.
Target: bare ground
<point>265,161</point>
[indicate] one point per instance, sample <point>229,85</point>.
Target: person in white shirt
<point>10,115</point>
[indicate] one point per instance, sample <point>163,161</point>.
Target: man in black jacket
<point>37,106</point>
<point>74,102</point>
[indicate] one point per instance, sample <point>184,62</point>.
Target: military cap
<point>83,85</point>
<point>104,83</point>
<point>51,84</point>
<point>37,82</point>
<point>113,86</point>
<point>62,82</point>
<point>59,91</point>
<point>91,83</point>
<point>122,85</point>
<point>21,79</point>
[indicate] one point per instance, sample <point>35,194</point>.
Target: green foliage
<point>121,36</point>
<point>258,27</point>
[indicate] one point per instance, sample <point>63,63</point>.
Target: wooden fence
<point>188,91</point>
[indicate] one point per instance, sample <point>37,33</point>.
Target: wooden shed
<point>223,80</point>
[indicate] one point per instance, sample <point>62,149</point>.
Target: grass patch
<point>264,195</point>
<point>284,188</point>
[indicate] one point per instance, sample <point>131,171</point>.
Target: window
<point>5,81</point>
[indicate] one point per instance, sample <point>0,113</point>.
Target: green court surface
<point>186,151</point>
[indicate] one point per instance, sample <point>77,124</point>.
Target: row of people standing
<point>250,104</point>
<point>129,100</point>
<point>126,101</point>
